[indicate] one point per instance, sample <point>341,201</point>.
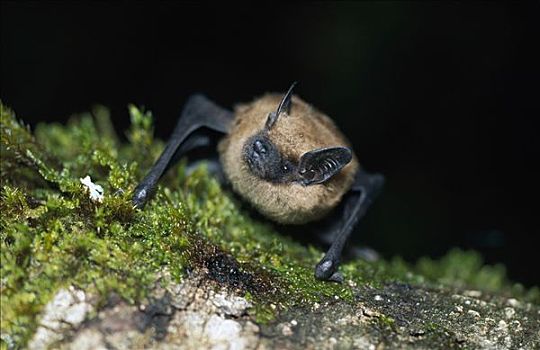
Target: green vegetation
<point>52,234</point>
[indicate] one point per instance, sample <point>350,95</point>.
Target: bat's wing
<point>198,113</point>
<point>363,192</point>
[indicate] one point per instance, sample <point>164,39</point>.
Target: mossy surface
<point>53,234</point>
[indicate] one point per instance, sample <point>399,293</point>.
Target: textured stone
<point>196,314</point>
<point>65,312</point>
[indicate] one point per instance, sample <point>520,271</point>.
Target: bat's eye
<point>287,166</point>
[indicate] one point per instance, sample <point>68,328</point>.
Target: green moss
<point>386,321</point>
<point>53,235</point>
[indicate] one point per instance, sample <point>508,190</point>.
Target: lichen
<point>54,235</point>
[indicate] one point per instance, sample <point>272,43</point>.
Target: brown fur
<point>304,130</point>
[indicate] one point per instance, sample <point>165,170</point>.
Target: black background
<point>440,97</point>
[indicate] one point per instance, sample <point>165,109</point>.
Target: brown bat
<point>284,157</point>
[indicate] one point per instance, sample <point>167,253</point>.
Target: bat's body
<point>294,135</point>
<point>292,164</point>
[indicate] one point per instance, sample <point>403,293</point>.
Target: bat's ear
<point>321,164</point>
<point>284,106</point>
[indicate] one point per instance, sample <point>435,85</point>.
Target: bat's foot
<point>326,270</point>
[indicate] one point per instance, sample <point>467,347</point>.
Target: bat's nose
<point>259,147</point>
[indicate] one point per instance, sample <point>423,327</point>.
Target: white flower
<point>95,191</point>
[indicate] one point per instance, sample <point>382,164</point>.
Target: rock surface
<point>64,313</point>
<point>197,314</point>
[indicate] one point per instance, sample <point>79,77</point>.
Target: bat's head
<point>269,157</point>
<point>287,158</point>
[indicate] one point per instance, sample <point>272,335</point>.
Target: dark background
<point>443,98</point>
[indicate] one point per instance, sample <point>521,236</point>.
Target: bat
<point>281,155</point>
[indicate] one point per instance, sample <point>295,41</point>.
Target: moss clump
<point>53,235</point>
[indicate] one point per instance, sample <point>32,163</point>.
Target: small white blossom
<point>95,191</point>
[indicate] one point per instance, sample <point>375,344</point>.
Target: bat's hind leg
<point>199,125</point>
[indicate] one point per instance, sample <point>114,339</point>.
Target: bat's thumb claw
<point>140,196</point>
<point>325,269</point>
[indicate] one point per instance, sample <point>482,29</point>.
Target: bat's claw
<point>326,270</point>
<point>140,197</point>
<point>336,277</point>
